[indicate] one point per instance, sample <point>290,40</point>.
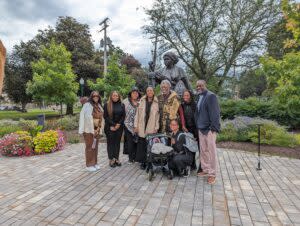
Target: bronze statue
<point>171,72</point>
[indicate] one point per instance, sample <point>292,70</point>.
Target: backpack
<point>190,142</point>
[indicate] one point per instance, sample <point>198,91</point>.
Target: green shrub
<point>31,126</point>
<point>245,129</point>
<point>255,107</point>
<point>45,142</point>
<point>65,123</point>
<point>8,129</point>
<point>73,139</point>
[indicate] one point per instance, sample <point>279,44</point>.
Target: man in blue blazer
<point>207,118</point>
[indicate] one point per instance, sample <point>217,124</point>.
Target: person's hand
<point>112,128</point>
<point>172,141</point>
<point>136,130</point>
<point>185,129</point>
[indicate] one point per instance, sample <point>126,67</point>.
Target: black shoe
<point>117,163</point>
<point>143,166</point>
<point>187,172</point>
<point>112,165</point>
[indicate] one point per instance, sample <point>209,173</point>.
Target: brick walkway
<point>56,190</point>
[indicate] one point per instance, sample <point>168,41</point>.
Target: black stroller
<point>158,161</point>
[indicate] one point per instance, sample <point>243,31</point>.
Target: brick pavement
<point>56,190</point>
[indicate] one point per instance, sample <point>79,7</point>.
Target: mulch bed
<point>265,149</point>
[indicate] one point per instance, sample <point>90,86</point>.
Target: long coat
<point>153,121</point>
<point>168,110</point>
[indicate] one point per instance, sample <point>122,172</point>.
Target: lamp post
<point>81,82</point>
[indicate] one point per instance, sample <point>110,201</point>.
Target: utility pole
<point>105,25</point>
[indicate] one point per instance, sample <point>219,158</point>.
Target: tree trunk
<point>24,107</point>
<point>69,109</point>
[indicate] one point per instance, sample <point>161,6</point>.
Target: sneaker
<point>91,169</point>
<point>97,167</point>
<point>130,162</point>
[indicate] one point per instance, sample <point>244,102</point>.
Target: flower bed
<point>21,143</point>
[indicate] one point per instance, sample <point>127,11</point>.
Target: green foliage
<point>116,79</point>
<point>74,139</point>
<point>254,107</point>
<point>284,80</point>
<point>18,71</point>
<point>245,129</point>
<point>276,39</point>
<point>53,79</point>
<point>45,142</point>
<point>31,126</point>
<point>252,83</point>
<point>66,123</point>
<point>8,129</point>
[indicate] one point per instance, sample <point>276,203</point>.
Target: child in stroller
<point>158,155</point>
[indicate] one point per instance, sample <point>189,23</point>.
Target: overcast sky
<point>20,20</point>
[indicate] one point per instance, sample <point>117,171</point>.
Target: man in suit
<point>207,118</point>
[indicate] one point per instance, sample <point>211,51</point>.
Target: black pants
<point>141,154</point>
<point>130,145</point>
<point>180,161</point>
<point>113,142</point>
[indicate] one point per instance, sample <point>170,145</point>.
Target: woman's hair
<point>110,103</point>
<point>191,94</point>
<point>94,93</point>
<point>167,82</point>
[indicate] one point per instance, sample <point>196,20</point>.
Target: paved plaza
<point>55,189</point>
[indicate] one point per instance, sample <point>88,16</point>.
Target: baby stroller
<point>158,155</point>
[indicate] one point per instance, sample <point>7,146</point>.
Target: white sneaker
<point>91,169</point>
<point>97,167</point>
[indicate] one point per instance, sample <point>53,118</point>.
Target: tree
<point>76,38</point>
<point>291,11</point>
<point>18,71</point>
<point>133,67</point>
<point>283,78</point>
<point>53,79</point>
<point>211,36</point>
<point>252,83</point>
<point>276,40</point>
<point>116,79</point>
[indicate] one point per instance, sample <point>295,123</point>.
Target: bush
<point>8,129</point>
<point>263,108</point>
<point>65,123</point>
<point>74,139</point>
<point>31,126</point>
<point>16,144</point>
<point>49,141</point>
<point>245,129</point>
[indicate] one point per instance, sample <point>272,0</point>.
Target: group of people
<point>138,116</point>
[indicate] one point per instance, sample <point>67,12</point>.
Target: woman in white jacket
<point>90,125</point>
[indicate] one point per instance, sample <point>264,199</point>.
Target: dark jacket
<point>118,115</point>
<point>179,142</point>
<point>188,113</point>
<point>207,116</point>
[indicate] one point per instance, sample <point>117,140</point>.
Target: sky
<point>20,20</point>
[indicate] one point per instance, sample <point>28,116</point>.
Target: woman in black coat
<point>187,110</point>
<point>182,157</point>
<point>114,115</point>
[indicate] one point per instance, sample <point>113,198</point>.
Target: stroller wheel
<point>171,175</point>
<point>150,174</point>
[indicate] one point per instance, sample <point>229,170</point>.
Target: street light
<point>81,82</point>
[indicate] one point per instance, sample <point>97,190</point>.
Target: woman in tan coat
<point>146,122</point>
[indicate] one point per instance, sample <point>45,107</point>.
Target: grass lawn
<point>31,114</point>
